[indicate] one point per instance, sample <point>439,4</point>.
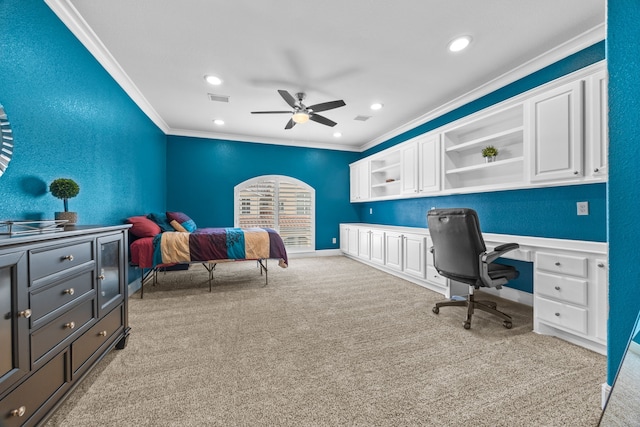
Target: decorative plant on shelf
<point>65,189</point>
<point>489,153</point>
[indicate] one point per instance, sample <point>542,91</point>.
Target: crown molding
<point>584,40</point>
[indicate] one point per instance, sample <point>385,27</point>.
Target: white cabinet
<point>359,177</point>
<point>597,129</point>
<point>352,241</point>
<point>393,247</point>
<point>409,171</point>
<point>386,174</point>
<point>556,133</point>
<point>377,247</point>
<point>414,255</point>
<point>364,243</point>
<point>429,164</point>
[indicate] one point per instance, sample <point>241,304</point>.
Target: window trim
<point>237,204</point>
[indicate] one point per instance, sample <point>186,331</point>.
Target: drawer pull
<point>558,263</point>
<point>69,291</point>
<point>557,288</point>
<point>101,277</point>
<point>601,265</point>
<point>68,257</point>
<point>557,314</point>
<point>19,412</point>
<point>70,325</point>
<point>25,313</point>
<point>102,333</point>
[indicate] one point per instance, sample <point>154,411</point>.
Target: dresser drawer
<point>434,277</point>
<point>562,264</point>
<point>90,341</point>
<point>60,328</point>
<point>45,262</point>
<point>45,300</point>
<point>21,404</point>
<point>562,315</point>
<point>561,288</point>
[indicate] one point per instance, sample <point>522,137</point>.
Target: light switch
<point>583,208</point>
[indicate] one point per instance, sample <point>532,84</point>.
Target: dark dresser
<point>63,306</point>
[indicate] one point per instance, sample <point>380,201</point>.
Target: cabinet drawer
<point>564,289</point>
<point>90,341</point>
<point>434,277</point>
<point>46,300</point>
<point>562,315</point>
<point>47,337</point>
<point>44,263</point>
<point>563,264</point>
<point>24,401</point>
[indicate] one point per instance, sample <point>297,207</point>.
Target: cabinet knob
<point>557,288</point>
<point>70,325</point>
<point>557,263</point>
<point>558,314</point>
<point>102,333</point>
<point>69,291</point>
<point>19,412</point>
<point>68,257</point>
<point>101,277</point>
<point>596,170</point>
<point>601,265</point>
<point>576,172</point>
<point>25,313</point>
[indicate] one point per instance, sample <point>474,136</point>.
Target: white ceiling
<point>360,51</point>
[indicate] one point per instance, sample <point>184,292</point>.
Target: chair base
<point>472,304</point>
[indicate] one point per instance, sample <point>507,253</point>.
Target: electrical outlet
<point>583,208</point>
<point>333,241</point>
<point>370,211</point>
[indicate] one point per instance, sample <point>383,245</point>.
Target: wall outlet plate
<point>583,208</point>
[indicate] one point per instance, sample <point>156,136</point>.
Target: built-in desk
<point>570,280</point>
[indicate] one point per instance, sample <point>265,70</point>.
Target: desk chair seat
<point>459,253</point>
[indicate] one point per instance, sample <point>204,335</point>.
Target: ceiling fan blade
<point>321,119</point>
<point>324,106</point>
<point>290,124</point>
<point>271,112</point>
<point>288,98</point>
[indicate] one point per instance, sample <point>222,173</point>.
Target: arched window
<point>280,202</point>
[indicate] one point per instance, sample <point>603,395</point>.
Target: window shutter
<point>257,204</point>
<point>294,215</point>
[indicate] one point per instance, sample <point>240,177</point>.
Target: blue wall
<point>623,54</point>
<point>70,119</point>
<point>202,174</point>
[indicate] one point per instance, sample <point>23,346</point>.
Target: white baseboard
<point>322,252</point>
<point>606,389</point>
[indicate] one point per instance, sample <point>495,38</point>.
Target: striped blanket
<point>216,244</point>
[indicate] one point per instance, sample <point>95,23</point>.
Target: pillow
<point>143,226</point>
<point>181,222</point>
<point>161,220</point>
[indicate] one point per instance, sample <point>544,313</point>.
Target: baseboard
<point>606,389</point>
<point>322,252</point>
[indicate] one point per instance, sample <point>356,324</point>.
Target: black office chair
<point>459,253</point>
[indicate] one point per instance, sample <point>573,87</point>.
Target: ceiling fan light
<point>300,117</point>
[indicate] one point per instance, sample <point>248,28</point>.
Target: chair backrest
<point>457,243</point>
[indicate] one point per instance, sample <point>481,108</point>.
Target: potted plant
<point>65,189</point>
<point>489,153</point>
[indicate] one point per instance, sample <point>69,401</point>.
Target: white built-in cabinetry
<point>569,282</point>
<point>552,135</point>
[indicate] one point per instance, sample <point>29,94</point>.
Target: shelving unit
<point>385,175</point>
<point>463,161</point>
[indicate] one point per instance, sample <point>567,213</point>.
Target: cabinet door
<point>344,238</point>
<point>556,133</point>
<point>409,169</point>
<point>352,241</point>
<point>597,111</point>
<point>429,165</point>
<point>14,319</point>
<point>377,246</point>
<point>359,177</point>
<point>393,250</point>
<point>110,274</point>
<point>414,255</point>
<point>364,243</point>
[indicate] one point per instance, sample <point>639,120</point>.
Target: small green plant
<point>489,151</point>
<point>65,189</point>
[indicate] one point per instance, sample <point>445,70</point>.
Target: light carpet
<point>329,342</point>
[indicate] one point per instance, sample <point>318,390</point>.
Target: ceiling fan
<point>301,113</point>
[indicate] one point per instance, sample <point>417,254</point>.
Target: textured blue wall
<point>70,119</point>
<point>623,54</point>
<point>203,172</point>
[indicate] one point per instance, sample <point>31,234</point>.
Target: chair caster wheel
<point>467,325</point>
<point>436,310</point>
<point>507,324</point>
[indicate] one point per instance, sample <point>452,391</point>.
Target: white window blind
<point>279,202</point>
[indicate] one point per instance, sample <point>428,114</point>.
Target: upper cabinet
<point>556,133</point>
<point>553,135</point>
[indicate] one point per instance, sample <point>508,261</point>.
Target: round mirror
<point>6,151</point>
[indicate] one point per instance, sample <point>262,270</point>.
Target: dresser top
<point>67,231</point>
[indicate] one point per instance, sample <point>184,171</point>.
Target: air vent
<point>218,98</point>
<point>362,118</point>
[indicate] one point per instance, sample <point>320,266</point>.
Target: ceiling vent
<point>362,118</point>
<point>218,98</point>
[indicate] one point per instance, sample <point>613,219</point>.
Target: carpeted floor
<point>329,342</point>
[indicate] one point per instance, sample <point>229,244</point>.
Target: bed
<point>207,246</point>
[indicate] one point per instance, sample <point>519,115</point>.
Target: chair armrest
<point>489,257</point>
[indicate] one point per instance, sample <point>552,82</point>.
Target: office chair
<point>459,253</point>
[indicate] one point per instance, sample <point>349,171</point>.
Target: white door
<point>352,241</point>
<point>414,255</point>
<point>597,127</point>
<point>429,155</point>
<point>393,250</point>
<point>364,243</point>
<point>409,169</point>
<point>556,133</point>
<point>377,246</point>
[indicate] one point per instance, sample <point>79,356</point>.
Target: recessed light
<point>460,43</point>
<point>337,134</point>
<point>213,80</point>
<point>376,106</point>
<point>218,122</point>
